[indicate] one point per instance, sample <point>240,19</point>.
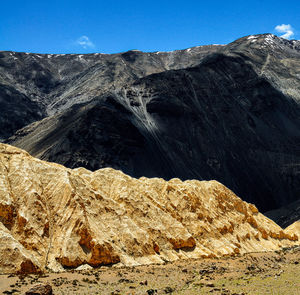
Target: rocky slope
<point>228,118</point>
<point>52,217</point>
<point>229,113</point>
<point>43,84</point>
<point>294,228</point>
<point>17,111</point>
<point>274,58</point>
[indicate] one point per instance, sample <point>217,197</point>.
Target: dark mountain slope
<point>218,120</point>
<point>274,58</point>
<point>287,215</point>
<point>54,82</point>
<point>16,111</point>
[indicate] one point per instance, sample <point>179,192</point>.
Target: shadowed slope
<point>49,83</point>
<point>217,120</point>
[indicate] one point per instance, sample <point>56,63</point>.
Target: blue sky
<point>113,26</point>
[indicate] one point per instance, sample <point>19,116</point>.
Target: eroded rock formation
<point>294,228</point>
<point>52,217</point>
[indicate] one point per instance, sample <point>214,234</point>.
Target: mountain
<point>229,113</point>
<point>55,218</point>
<point>33,86</point>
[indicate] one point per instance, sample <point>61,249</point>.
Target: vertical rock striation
<point>56,218</point>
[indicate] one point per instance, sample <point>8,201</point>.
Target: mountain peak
<point>272,40</point>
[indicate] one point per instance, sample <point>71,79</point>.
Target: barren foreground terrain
<point>257,273</point>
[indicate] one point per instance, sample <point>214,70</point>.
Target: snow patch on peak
<point>269,38</point>
<point>80,57</point>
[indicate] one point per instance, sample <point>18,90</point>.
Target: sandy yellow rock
<point>13,256</point>
<point>56,218</point>
<point>294,228</point>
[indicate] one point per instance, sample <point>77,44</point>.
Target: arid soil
<point>257,273</point>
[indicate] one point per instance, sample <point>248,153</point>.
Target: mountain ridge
<point>232,115</point>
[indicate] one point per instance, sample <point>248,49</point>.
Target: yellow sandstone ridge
<point>294,228</point>
<point>53,218</point>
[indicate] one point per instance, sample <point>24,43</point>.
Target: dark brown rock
<point>40,289</point>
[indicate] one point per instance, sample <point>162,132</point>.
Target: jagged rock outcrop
<point>14,257</point>
<point>52,217</point>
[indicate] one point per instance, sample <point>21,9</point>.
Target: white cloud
<point>85,42</point>
<point>286,29</point>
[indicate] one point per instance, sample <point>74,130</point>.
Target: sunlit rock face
<point>55,218</point>
<point>229,113</point>
<point>294,228</point>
